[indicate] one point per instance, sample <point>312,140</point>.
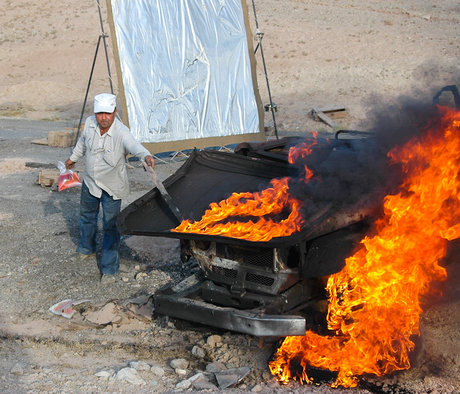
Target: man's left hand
<point>150,161</point>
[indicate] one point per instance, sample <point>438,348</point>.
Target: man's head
<point>105,110</point>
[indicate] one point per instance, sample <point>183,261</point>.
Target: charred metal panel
<point>326,254</point>
<point>246,322</point>
<point>188,301</point>
<point>206,177</point>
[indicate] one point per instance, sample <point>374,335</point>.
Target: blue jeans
<point>89,211</point>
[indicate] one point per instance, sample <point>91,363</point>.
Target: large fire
<point>374,302</point>
<point>224,218</point>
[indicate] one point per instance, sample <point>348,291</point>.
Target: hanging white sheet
<point>185,68</point>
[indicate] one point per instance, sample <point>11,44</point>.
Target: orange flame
<point>221,218</point>
<point>374,302</point>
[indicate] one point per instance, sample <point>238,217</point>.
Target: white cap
<point>105,102</point>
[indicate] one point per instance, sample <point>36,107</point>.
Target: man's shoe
<point>107,279</point>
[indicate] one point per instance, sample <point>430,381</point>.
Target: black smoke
<point>354,172</point>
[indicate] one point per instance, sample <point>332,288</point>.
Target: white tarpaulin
<point>185,68</point>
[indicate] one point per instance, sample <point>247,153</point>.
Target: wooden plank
<point>41,141</point>
<point>48,177</point>
<point>326,119</point>
<point>61,139</point>
<point>33,164</point>
<point>332,108</point>
<point>318,114</point>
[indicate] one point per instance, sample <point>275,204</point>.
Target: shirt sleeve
<point>80,147</point>
<point>134,147</point>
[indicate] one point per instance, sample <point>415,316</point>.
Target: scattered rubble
<point>179,363</point>
<point>198,352</point>
<point>231,377</point>
<point>157,370</point>
<point>180,371</point>
<point>184,384</point>
<point>139,365</point>
<point>129,375</point>
<point>214,341</point>
<point>17,369</point>
<point>215,367</point>
<point>105,374</point>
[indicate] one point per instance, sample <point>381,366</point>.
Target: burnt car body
<point>270,288</point>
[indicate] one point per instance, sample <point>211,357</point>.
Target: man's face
<point>105,120</point>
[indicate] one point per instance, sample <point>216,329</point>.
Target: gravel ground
<point>44,352</point>
<point>361,55</point>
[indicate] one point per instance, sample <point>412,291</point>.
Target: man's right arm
<point>78,150</point>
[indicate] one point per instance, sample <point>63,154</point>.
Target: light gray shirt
<point>105,167</point>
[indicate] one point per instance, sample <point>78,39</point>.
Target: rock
<point>201,382</point>
<point>180,371</point>
<point>266,376</point>
<point>105,374</point>
<point>198,352</point>
<point>223,358</point>
<point>109,313</point>
<point>216,366</point>
<point>140,276</point>
<point>184,385</point>
<point>129,375</point>
<point>231,377</point>
<point>17,369</point>
<point>273,384</point>
<point>139,365</point>
<point>226,380</point>
<point>196,376</point>
<point>214,341</point>
<point>179,363</point>
<point>157,370</point>
<point>124,279</point>
<point>257,388</point>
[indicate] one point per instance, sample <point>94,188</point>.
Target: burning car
<point>270,222</point>
<point>269,279</point>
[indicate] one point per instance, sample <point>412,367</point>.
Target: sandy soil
<point>362,55</point>
<point>317,54</point>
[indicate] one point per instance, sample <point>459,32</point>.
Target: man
<point>105,141</point>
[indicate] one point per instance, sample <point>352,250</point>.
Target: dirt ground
<point>361,55</point>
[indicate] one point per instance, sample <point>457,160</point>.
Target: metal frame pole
<point>103,36</point>
<point>259,45</point>
<point>105,45</point>
<point>87,89</point>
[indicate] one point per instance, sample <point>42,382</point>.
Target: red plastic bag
<point>67,178</point>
